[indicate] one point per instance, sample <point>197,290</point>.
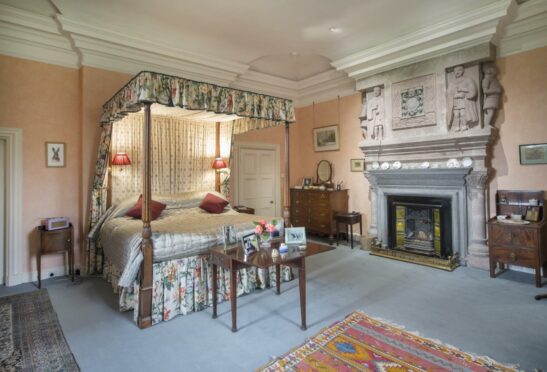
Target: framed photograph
<point>357,165</point>
<point>326,138</point>
<point>55,154</point>
<point>250,243</point>
<point>306,182</point>
<point>533,154</point>
<point>532,213</point>
<point>229,236</point>
<point>295,235</point>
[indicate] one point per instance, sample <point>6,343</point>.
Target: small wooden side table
<point>244,209</point>
<point>56,241</point>
<point>348,219</point>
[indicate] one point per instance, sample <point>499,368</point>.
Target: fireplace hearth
<point>420,225</point>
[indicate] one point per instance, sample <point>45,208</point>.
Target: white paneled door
<point>258,179</point>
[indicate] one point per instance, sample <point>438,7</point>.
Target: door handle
<point>271,201</point>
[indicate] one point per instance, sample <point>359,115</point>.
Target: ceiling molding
<point>36,37</point>
<point>471,28</point>
<point>528,30</point>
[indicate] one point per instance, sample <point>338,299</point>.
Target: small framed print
<point>306,182</point>
<point>229,236</point>
<point>295,235</point>
<point>326,138</point>
<point>357,165</point>
<point>250,243</point>
<point>532,213</point>
<point>533,154</point>
<point>55,154</point>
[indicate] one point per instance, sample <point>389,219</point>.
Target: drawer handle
<point>513,256</point>
<point>68,240</point>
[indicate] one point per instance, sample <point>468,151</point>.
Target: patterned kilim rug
<point>31,338</point>
<point>362,343</point>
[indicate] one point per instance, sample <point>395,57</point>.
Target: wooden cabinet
<point>315,209</point>
<point>516,244</point>
<point>56,241</point>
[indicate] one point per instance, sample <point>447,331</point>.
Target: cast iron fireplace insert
<point>420,225</point>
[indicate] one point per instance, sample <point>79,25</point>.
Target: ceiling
<point>284,48</point>
<point>264,33</point>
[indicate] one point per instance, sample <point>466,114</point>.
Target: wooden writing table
<point>234,260</point>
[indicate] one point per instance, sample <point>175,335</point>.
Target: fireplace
<point>420,225</point>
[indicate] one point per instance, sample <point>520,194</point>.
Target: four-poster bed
<point>139,94</point>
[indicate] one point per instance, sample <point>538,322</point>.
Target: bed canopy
<point>207,100</point>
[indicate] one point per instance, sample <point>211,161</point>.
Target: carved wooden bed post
<point>145,289</point>
<point>286,209</point>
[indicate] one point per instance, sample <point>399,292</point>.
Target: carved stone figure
<point>491,89</point>
<point>462,105</point>
<point>375,114</point>
<point>363,117</point>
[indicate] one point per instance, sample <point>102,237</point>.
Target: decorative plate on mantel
<point>375,165</point>
<point>396,165</point>
<point>385,165</point>
<point>453,163</point>
<point>467,162</point>
<point>424,165</point>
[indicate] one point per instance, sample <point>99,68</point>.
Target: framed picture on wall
<point>326,138</point>
<point>55,154</point>
<point>533,154</point>
<point>357,165</point>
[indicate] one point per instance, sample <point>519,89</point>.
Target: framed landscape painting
<point>533,154</point>
<point>55,154</point>
<point>357,165</point>
<point>326,138</point>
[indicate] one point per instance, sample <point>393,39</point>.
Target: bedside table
<point>56,241</point>
<point>243,209</point>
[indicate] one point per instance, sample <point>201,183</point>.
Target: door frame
<point>277,170</point>
<point>13,236</point>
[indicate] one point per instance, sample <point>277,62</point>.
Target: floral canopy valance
<point>170,90</point>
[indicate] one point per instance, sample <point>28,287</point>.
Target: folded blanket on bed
<point>182,230</point>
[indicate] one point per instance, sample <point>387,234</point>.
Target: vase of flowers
<point>264,231</point>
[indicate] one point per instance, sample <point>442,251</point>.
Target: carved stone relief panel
<point>413,103</point>
<point>462,95</point>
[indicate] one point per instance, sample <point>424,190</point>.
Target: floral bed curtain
<point>261,111</point>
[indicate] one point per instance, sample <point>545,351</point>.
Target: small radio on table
<point>56,223</point>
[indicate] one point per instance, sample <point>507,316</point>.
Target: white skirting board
<point>32,276</point>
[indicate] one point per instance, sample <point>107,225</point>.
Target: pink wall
<point>44,101</point>
<point>521,120</point>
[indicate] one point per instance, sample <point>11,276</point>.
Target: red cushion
<point>213,204</point>
<point>155,208</point>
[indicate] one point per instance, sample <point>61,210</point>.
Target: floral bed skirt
<point>184,285</point>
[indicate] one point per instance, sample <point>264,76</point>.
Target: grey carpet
<point>467,309</point>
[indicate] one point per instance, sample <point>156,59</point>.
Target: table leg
<point>233,298</point>
<point>214,268</point>
<point>351,235</point>
<point>492,268</point>
<point>545,270</point>
<point>538,276</point>
<point>302,285</point>
<point>361,225</point>
<point>39,264</point>
<point>278,278</point>
<point>72,264</point>
<point>337,234</point>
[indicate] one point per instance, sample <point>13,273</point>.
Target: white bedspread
<point>182,230</point>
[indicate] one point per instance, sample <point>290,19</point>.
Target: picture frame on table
<point>357,165</point>
<point>295,235</point>
<point>55,154</point>
<point>326,138</point>
<point>229,237</point>
<point>532,213</point>
<point>249,243</point>
<point>306,182</point>
<point>531,154</point>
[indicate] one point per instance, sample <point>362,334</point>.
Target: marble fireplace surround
<point>441,183</point>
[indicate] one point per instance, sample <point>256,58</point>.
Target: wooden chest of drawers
<point>315,209</point>
<point>519,245</point>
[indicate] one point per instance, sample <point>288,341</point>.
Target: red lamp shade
<point>219,163</point>
<point>121,158</point>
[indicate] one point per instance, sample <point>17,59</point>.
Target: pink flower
<point>270,228</point>
<point>259,229</point>
<point>262,222</point>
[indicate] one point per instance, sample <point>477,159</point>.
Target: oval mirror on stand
<point>324,172</point>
